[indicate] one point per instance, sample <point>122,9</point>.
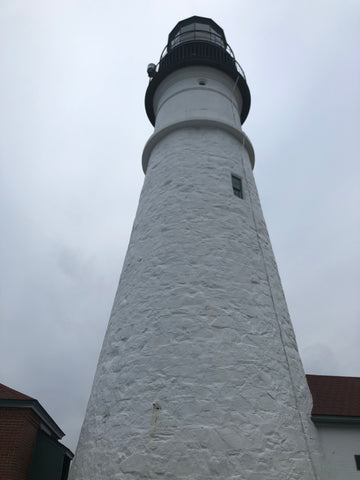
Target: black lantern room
<point>196,41</point>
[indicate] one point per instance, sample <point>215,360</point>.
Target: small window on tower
<point>357,461</point>
<point>237,186</point>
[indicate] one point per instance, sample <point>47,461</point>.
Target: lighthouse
<point>199,375</point>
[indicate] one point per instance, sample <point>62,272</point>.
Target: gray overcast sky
<point>72,129</point>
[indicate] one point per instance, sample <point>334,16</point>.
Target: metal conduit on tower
<point>199,376</point>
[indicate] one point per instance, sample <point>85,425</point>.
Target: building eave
<point>335,419</point>
<point>67,452</point>
<point>35,406</point>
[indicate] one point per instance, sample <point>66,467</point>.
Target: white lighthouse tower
<point>199,376</point>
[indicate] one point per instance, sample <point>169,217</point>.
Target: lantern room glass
<point>197,32</point>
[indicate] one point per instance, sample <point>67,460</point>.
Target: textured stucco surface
<point>200,328</point>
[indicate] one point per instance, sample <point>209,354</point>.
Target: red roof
<point>338,396</point>
<point>7,393</point>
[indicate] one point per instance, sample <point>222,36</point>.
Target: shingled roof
<point>10,398</point>
<point>8,393</point>
<point>335,396</point>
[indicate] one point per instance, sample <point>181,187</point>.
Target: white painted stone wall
<point>197,96</point>
<point>199,376</point>
<point>340,444</point>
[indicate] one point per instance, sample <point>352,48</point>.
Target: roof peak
<point>8,393</point>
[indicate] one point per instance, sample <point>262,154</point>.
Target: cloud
<point>320,359</point>
<point>72,129</point>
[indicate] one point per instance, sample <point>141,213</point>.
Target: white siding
<point>340,444</point>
